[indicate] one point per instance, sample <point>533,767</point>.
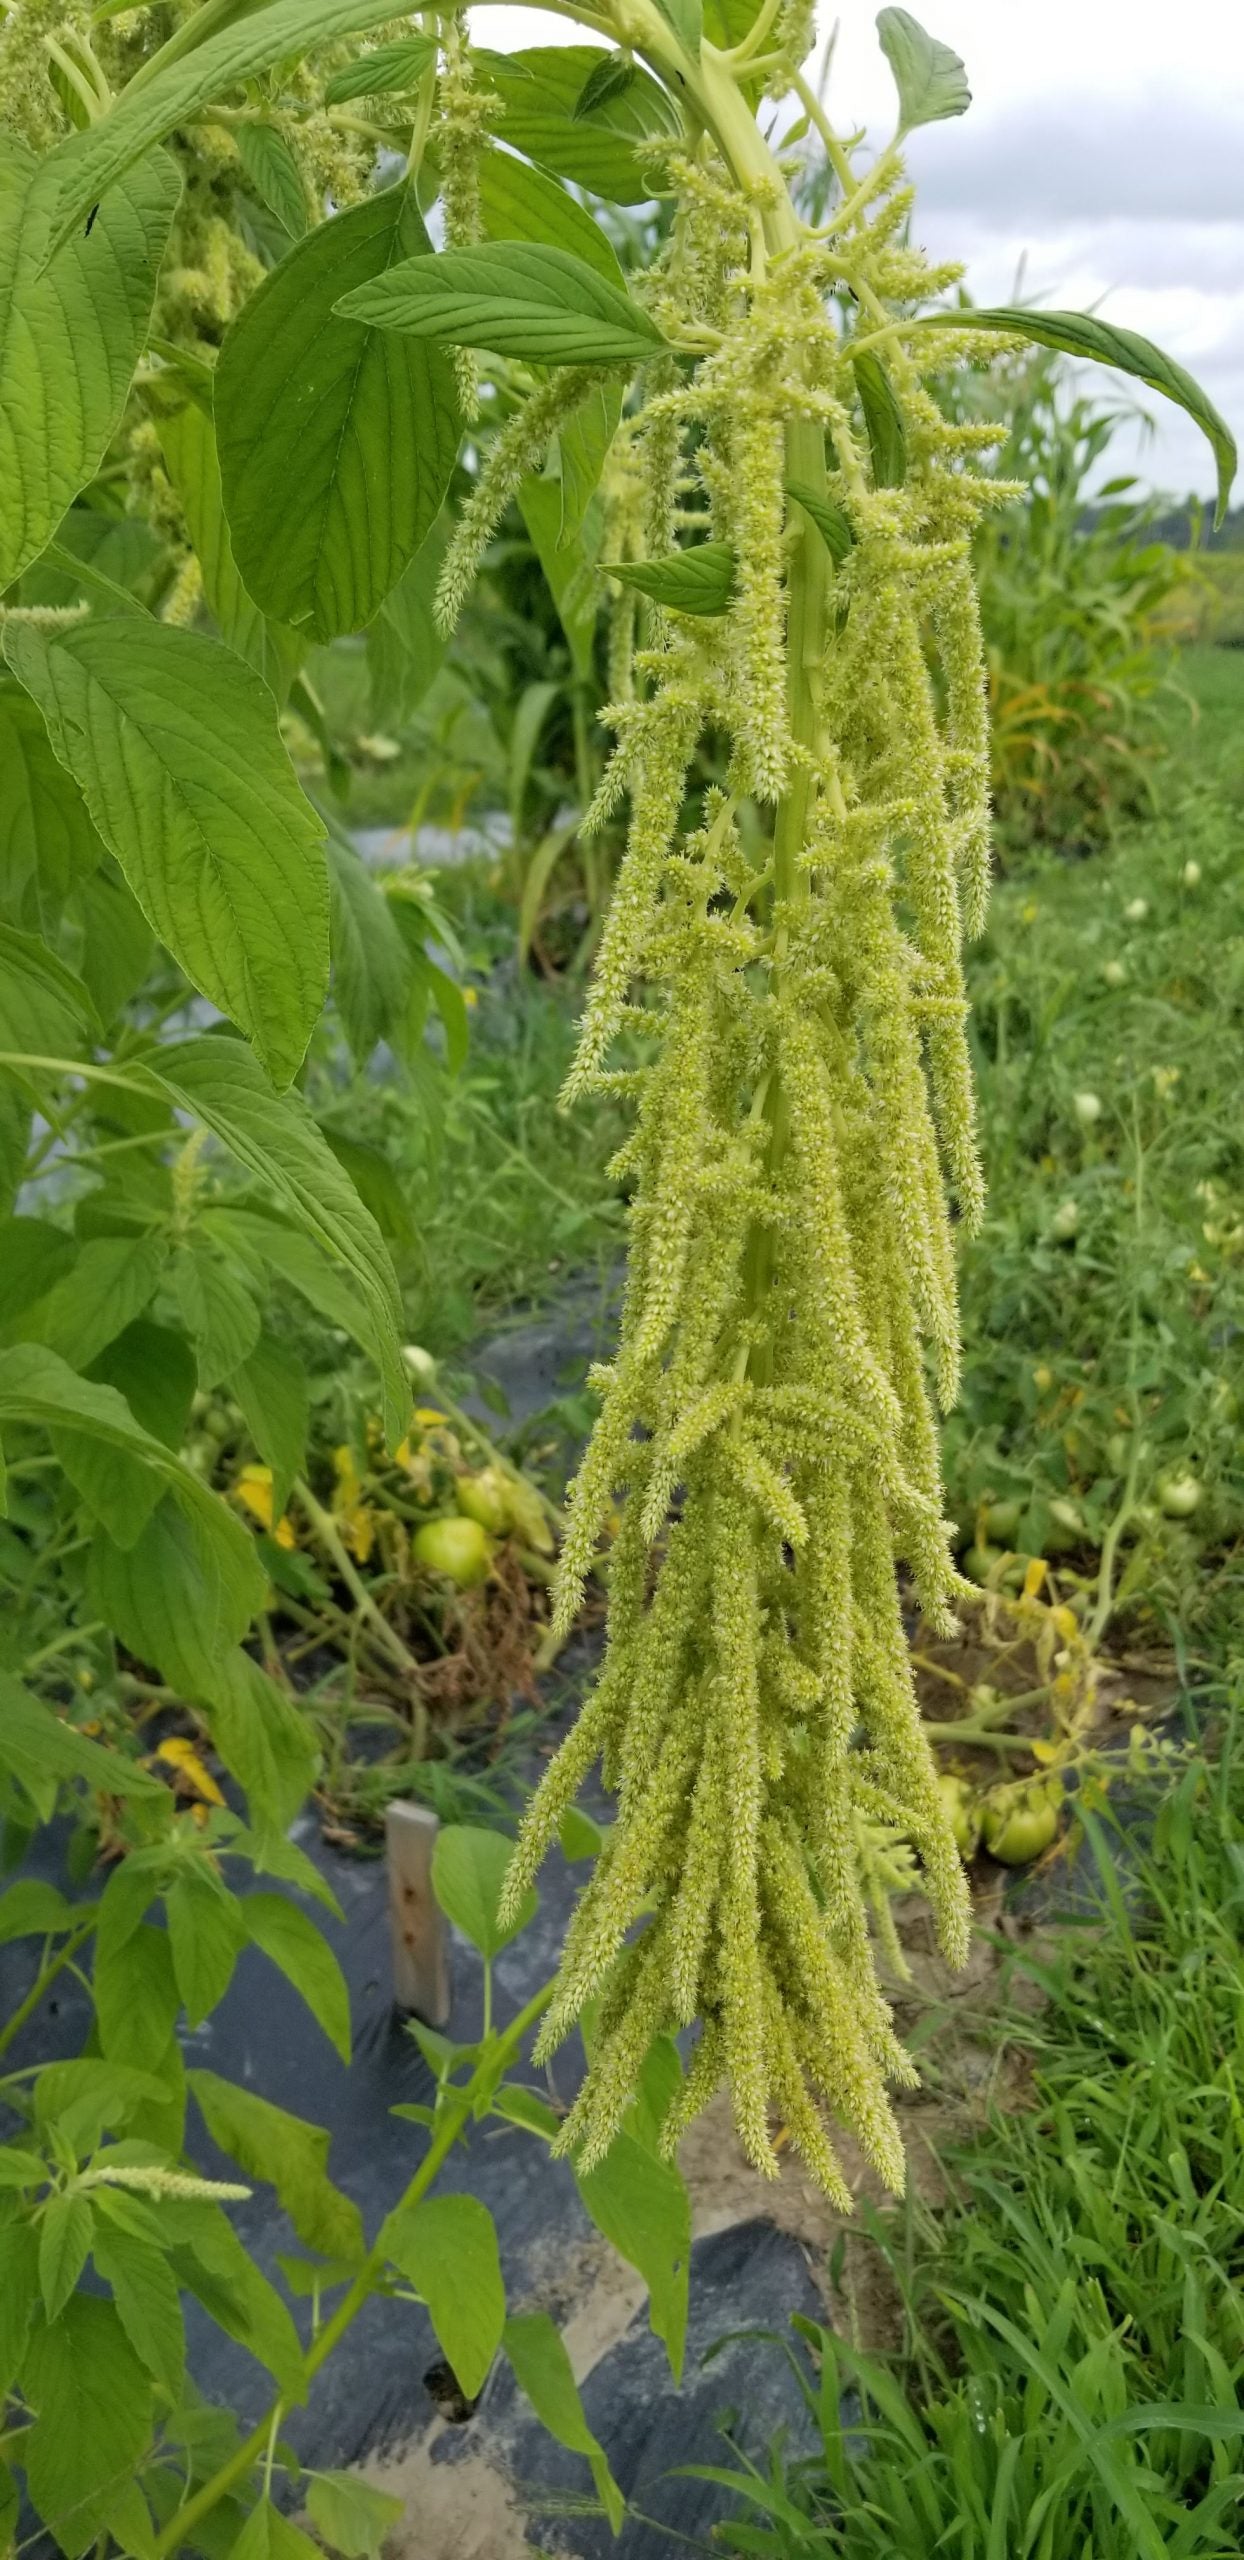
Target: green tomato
<point>1002,1523</point>
<point>1065,1221</point>
<point>1179,1495</point>
<point>962,1812</point>
<point>1019,1821</point>
<point>460,1549</point>
<point>486,1497</point>
<point>1066,1529</point>
<point>978,1561</point>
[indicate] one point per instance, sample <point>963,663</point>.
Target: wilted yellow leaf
<point>182,1756</point>
<point>253,1487</point>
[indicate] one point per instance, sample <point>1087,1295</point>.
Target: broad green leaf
<point>21,2170</point>
<point>47,842</point>
<point>287,2154</point>
<point>583,444</point>
<point>270,1385</point>
<point>883,420</point>
<point>33,1256</point>
<point>568,566</point>
<point>543,2370</point>
<point>516,298</point>
<point>578,1835</point>
<point>37,1387</point>
<point>405,644</point>
<point>176,747</point>
<point>44,1009</point>
<point>206,1936</point>
<point>167,94</point>
<point>447,2248</point>
<point>538,870</point>
<point>93,2422</point>
<point>188,443</point>
<point>117,941</point>
<point>272,1247</point>
<point>349,2515</point>
<point>38,1748</point>
<point>210,2260</point>
<point>832,525</point>
<point>19,2283</point>
<point>291,1940</point>
<point>274,174</point>
<point>336,444</point>
<point>168,1600</point>
<point>686,18</point>
<point>524,2107</point>
<point>377,1181</point>
<point>268,2535</point>
<point>84,2099</point>
<point>148,2303</point>
<point>929,76</point>
<point>30,1909</point>
<point>275,1137</point>
<point>698,580</point>
<point>112,1280</point>
<point>64,2246</point>
<point>263,1737</point>
<point>70,338</point>
<point>217,1308</point>
<point>539,88</point>
<point>154,1370</point>
<point>607,79</point>
<point>371,972</point>
<point>468,1870</point>
<point>387,68</point>
<point>137,2004</point>
<point>641,2205</point>
<point>1081,333</point>
<point>518,202</point>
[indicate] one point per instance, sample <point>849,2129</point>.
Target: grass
<point>1069,2381</point>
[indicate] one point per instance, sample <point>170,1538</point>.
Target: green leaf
<point>94,2420</point>
<point>699,580</point>
<point>274,174</point>
<point>154,1370</point>
<point>70,338</point>
<point>21,2170</point>
<point>206,1935</point>
<point>287,2154</point>
<point>268,2535</point>
<point>147,2299</point>
<point>273,1247</point>
<point>607,79</point>
<point>176,747</point>
<point>271,1387</point>
<point>686,19</point>
<point>539,88</point>
<point>641,2206</point>
<point>33,1910</point>
<point>218,1310</point>
<point>336,444</point>
<point>1080,333</point>
<point>833,526</point>
<point>64,2246</point>
<point>117,941</point>
<point>111,1281</point>
<point>77,174</point>
<point>351,2516</point>
<point>263,1737</point>
<point>19,2283</point>
<point>447,2248</point>
<point>543,2370</point>
<point>578,1835</point>
<point>37,1748</point>
<point>469,1867</point>
<point>568,566</point>
<point>883,420</point>
<point>37,1387</point>
<point>371,972</point>
<point>47,842</point>
<point>517,202</point>
<point>80,2101</point>
<point>405,644</point>
<point>44,1008</point>
<point>210,2260</point>
<point>188,444</point>
<point>291,1940</point>
<point>526,2108</point>
<point>388,67</point>
<point>929,76</point>
<point>275,1137</point>
<point>168,1599</point>
<point>33,1257</point>
<point>516,298</point>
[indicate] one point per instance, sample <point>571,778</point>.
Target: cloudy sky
<point>1104,149</point>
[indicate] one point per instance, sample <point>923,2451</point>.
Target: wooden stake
<point>420,1939</point>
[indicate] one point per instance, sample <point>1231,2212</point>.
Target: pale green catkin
<point>804,1122</point>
